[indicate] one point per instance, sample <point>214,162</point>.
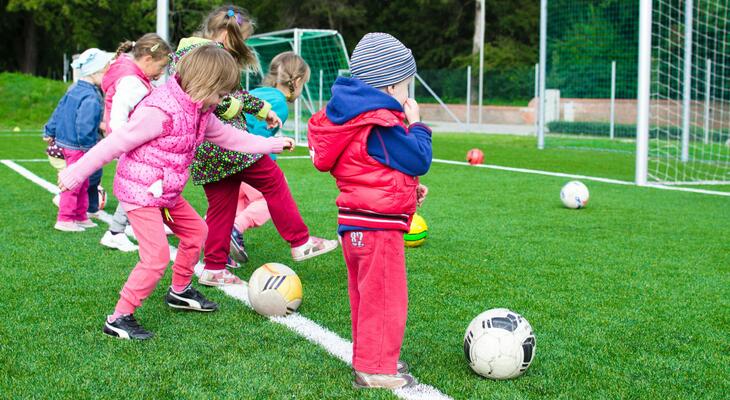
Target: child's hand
<point>47,139</point>
<point>413,112</point>
<point>289,143</point>
<point>273,120</point>
<point>421,192</point>
<point>61,185</point>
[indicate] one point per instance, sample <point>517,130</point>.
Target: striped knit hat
<point>381,60</point>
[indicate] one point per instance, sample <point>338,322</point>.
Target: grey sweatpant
<point>119,221</point>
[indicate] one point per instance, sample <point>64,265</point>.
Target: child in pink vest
<point>125,84</point>
<point>155,149</point>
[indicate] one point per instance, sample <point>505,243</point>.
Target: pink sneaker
<point>221,277</point>
<point>314,247</point>
<point>87,223</point>
<point>68,226</point>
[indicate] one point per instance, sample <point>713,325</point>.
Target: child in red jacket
<point>376,158</point>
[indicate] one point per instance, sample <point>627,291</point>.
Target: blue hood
<point>352,97</point>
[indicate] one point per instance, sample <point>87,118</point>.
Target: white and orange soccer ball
<point>275,290</point>
<point>574,194</point>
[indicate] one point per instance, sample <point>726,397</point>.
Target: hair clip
<point>231,13</point>
<point>134,44</point>
<point>155,47</point>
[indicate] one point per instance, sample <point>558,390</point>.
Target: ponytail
<point>124,47</point>
<point>238,26</point>
<point>149,44</point>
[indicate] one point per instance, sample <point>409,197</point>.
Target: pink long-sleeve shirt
<point>147,124</point>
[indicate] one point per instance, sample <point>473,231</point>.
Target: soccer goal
<point>648,80</point>
<point>683,134</point>
<point>326,54</point>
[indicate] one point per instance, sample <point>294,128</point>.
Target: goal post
<point>683,107</point>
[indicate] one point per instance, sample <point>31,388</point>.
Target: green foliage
<point>584,37</point>
<point>27,101</point>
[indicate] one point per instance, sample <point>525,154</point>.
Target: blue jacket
<point>278,105</point>
<point>75,121</point>
<point>408,151</point>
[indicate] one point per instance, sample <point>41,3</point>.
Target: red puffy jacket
<point>372,195</point>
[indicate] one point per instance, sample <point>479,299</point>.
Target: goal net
<point>325,53</point>
<point>689,107</point>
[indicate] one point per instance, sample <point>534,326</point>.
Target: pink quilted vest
<point>166,157</point>
<point>123,66</point>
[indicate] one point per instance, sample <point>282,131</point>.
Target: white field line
<point>583,177</point>
<point>310,330</point>
<point>29,160</point>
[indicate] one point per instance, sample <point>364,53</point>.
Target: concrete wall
<point>581,110</point>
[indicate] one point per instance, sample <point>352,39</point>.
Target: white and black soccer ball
<point>574,194</point>
<point>499,344</point>
<point>275,290</point>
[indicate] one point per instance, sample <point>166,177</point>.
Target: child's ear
<point>390,89</point>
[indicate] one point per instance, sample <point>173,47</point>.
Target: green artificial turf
<point>628,298</point>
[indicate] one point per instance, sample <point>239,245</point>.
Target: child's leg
<point>352,289</point>
<point>154,256</point>
<point>222,199</point>
<point>93,191</point>
<point>265,176</point>
<point>119,221</point>
<point>252,210</point>
<point>73,200</point>
<point>192,231</point>
<point>380,298</point>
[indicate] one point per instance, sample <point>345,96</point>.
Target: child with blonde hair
<point>221,172</point>
<point>128,81</point>
<point>74,128</point>
<point>288,73</point>
<point>155,149</point>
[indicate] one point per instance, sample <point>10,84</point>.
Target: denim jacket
<point>75,121</point>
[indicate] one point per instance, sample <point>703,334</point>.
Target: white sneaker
<point>130,232</point>
<point>118,241</point>
<point>381,381</point>
<point>57,200</point>
<point>68,226</point>
<point>314,247</point>
<point>86,224</point>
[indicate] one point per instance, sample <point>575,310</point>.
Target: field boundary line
<point>337,346</point>
<point>584,177</point>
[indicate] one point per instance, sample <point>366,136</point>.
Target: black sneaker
<point>190,299</point>
<point>238,248</point>
<point>126,327</point>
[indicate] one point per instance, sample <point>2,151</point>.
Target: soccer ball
<point>475,156</point>
<point>499,344</point>
<point>274,290</point>
<point>574,194</point>
<point>102,197</point>
<point>417,233</point>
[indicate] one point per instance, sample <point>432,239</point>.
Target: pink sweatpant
<point>376,277</point>
<point>252,210</point>
<point>154,250</point>
<point>73,203</point>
